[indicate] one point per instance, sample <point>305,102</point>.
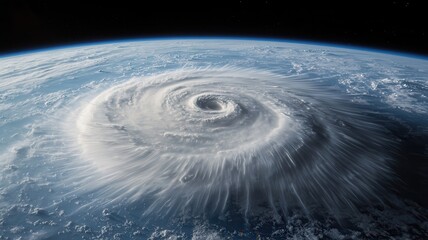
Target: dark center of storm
<point>210,103</point>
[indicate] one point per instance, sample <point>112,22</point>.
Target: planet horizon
<point>213,138</point>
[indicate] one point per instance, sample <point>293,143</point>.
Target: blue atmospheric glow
<point>302,41</point>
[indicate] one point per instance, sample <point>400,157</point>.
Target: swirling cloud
<point>202,139</point>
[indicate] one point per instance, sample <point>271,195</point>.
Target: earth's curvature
<point>213,139</point>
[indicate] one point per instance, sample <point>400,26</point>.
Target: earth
<point>213,139</point>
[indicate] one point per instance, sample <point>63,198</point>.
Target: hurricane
<point>199,139</point>
<point>144,139</point>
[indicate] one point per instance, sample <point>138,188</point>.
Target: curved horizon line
<point>342,45</point>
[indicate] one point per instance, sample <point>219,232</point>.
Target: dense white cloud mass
<point>199,138</point>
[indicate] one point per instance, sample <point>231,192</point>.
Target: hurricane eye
<point>209,104</point>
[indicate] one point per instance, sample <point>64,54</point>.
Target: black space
<point>394,25</point>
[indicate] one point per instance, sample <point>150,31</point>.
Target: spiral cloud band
<point>201,139</point>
